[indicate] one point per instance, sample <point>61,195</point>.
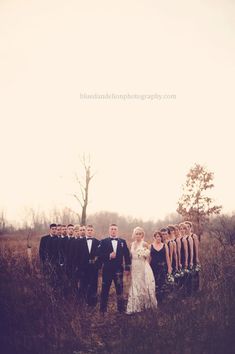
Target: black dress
<point>195,276</point>
<point>188,276</point>
<point>159,267</point>
<point>183,258</point>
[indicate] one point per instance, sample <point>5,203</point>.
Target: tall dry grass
<point>36,319</point>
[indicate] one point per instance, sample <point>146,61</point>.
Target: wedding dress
<point>142,289</point>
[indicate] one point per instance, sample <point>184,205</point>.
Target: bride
<point>142,289</point>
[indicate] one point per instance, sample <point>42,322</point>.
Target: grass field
<point>36,319</point>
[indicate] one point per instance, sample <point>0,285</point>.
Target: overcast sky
<point>53,51</point>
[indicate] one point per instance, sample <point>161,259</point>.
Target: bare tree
<point>82,196</point>
<point>2,222</point>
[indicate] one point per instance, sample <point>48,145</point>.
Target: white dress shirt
<point>114,244</point>
<point>89,244</point>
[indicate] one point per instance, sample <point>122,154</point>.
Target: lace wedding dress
<point>142,289</point>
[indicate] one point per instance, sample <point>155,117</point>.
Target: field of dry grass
<point>35,319</point>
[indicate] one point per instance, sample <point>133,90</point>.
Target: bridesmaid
<point>173,249</point>
<point>178,237</point>
<point>160,263</point>
<point>196,262</point>
<point>186,258</point>
<point>190,261</point>
<point>182,247</point>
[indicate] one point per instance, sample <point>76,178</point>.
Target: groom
<point>112,252</point>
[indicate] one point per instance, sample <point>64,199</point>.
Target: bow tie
<point>114,239</point>
<point>89,238</point>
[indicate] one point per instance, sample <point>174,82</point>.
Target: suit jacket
<point>62,245</point>
<point>122,255</point>
<point>48,249</point>
<point>86,258</point>
<point>72,252</point>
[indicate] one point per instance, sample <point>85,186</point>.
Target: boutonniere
<point>122,244</point>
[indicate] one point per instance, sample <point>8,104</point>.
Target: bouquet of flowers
<point>170,278</point>
<point>178,274</point>
<point>197,267</point>
<point>186,271</point>
<point>143,252</point>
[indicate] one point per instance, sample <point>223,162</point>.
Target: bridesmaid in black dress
<point>189,282</point>
<point>173,249</point>
<point>160,263</point>
<point>182,248</point>
<point>196,262</point>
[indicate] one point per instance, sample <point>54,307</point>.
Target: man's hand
<point>112,255</point>
<point>127,272</point>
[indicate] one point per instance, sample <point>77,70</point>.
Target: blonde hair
<point>182,224</point>
<point>76,227</point>
<point>136,229</point>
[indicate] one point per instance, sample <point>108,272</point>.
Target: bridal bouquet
<point>143,252</point>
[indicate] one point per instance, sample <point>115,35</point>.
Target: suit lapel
<point>110,244</point>
<point>92,247</point>
<point>86,249</point>
<point>118,246</point>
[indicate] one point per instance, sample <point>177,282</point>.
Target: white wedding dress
<point>142,289</point>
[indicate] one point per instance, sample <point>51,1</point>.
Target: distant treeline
<point>222,227</point>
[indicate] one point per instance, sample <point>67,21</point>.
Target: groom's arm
<point>126,256</point>
<point>103,253</point>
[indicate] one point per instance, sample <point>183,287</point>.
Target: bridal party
<point>72,258</point>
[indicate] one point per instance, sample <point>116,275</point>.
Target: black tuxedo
<point>61,266</point>
<point>48,252</point>
<point>88,271</point>
<point>71,245</point>
<point>48,249</point>
<point>113,270</point>
<point>62,245</point>
<point>71,263</point>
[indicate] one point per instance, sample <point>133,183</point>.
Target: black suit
<point>62,244</point>
<point>61,266</point>
<point>113,270</point>
<point>48,249</point>
<point>72,258</point>
<point>48,252</point>
<point>88,271</point>
<point>69,255</point>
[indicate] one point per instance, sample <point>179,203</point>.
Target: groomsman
<point>62,246</point>
<point>88,267</point>
<point>48,252</point>
<point>58,230</point>
<point>74,258</point>
<point>113,251</point>
<point>82,231</point>
<point>69,265</point>
<point>196,262</point>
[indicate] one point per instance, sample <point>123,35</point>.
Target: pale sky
<point>51,51</point>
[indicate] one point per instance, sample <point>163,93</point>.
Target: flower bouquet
<point>186,270</point>
<point>143,252</point>
<point>178,274</point>
<point>170,279</point>
<point>198,267</point>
